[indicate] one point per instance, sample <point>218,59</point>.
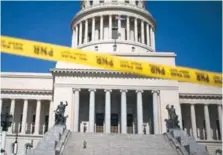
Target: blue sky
<point>192,30</point>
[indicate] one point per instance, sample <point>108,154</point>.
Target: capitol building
<point>110,102</point>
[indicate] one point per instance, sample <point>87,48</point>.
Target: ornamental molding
<point>115,87</point>
<point>201,96</point>
<point>26,91</point>
<point>127,42</point>
<point>97,73</point>
<point>26,75</point>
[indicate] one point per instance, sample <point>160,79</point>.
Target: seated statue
<point>60,119</point>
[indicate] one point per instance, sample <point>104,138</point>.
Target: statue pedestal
<point>188,142</point>
<point>47,145</point>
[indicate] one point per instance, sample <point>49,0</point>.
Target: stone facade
<point>109,101</point>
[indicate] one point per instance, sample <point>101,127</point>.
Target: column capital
<point>108,90</point>
<point>76,89</point>
<point>155,91</point>
<point>139,91</point>
<point>92,90</point>
<point>124,90</point>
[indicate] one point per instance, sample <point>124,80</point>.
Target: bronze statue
<point>172,122</point>
<point>60,119</point>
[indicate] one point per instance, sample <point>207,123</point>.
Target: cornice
<point>115,87</point>
<point>26,91</point>
<point>97,73</point>
<point>201,96</point>
<point>26,75</point>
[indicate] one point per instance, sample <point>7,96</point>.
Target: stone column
<point>147,34</point>
<point>110,27</point>
<point>76,36</point>
<point>12,107</point>
<point>139,112</point>
<point>220,117</point>
<point>37,120</point>
<point>86,31</point>
<point>93,29</point>
<point>152,38</point>
<point>12,112</point>
<point>76,109</point>
<point>136,30</point>
<point>73,38</point>
<point>24,116</point>
<point>101,27</point>
<point>123,111</point>
<point>80,34</point>
<point>127,28</point>
<point>108,110</point>
<point>193,120</point>
<point>142,32</point>
<point>91,110</point>
<point>207,122</point>
<point>156,111</point>
<point>119,27</point>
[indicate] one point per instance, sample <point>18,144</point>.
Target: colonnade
<point>93,29</point>
<point>207,119</point>
<point>24,118</point>
<point>123,93</point>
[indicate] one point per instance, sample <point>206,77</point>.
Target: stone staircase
<point>118,144</point>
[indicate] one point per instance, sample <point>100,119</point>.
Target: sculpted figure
<point>172,122</point>
<point>59,114</point>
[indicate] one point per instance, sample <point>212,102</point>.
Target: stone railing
<point>52,142</point>
<point>185,144</point>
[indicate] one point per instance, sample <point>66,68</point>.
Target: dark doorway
<point>114,123</point>
<point>129,123</point>
<point>218,130</point>
<point>99,122</point>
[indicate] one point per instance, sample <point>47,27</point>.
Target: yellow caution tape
<point>60,53</point>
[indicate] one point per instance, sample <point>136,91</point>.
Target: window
<point>114,33</point>
<point>114,48</point>
<point>137,3</point>
<point>96,48</point>
<point>126,1</point>
<point>114,1</point>
<point>91,2</point>
<point>101,1</point>
<point>89,36</point>
<point>133,49</point>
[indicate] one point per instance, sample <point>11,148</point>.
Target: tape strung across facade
<point>60,53</point>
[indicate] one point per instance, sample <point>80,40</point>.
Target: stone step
<point>118,144</point>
